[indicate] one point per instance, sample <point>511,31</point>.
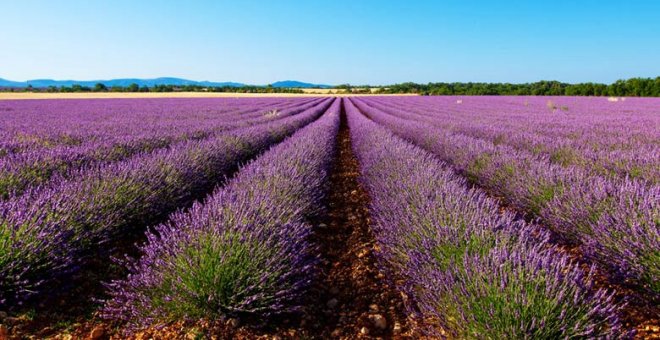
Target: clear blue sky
<point>331,41</point>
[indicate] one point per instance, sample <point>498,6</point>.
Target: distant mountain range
<point>148,82</point>
<point>298,84</point>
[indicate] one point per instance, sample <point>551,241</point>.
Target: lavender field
<point>470,217</point>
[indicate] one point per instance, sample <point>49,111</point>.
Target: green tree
<point>100,87</point>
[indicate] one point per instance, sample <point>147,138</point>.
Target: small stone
<point>10,320</point>
<point>332,303</point>
<point>3,315</point>
<point>4,332</point>
<point>373,307</point>
<point>233,323</point>
<point>354,192</point>
<point>277,337</point>
<point>397,328</point>
<point>336,333</point>
<point>378,321</point>
<point>364,331</point>
<point>97,332</point>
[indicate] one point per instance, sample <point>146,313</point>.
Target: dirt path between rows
<point>353,298</point>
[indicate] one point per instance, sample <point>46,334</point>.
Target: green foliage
<point>477,166</point>
<point>541,194</point>
<point>214,276</point>
<point>99,87</point>
<point>450,254</point>
<point>133,88</point>
<point>512,310</point>
<point>564,156</point>
<point>651,260</point>
<point>634,87</point>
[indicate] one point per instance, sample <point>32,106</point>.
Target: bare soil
<point>353,298</point>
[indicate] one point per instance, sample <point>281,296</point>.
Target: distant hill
<point>114,82</point>
<point>9,83</point>
<point>298,84</point>
<point>146,82</point>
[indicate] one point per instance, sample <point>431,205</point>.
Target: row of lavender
<point>608,138</point>
<point>616,220</point>
<point>37,166</point>
<point>50,232</point>
<point>478,272</point>
<point>47,124</point>
<point>245,249</point>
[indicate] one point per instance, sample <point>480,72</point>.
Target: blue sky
<point>331,41</point>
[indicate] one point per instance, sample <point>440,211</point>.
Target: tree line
<point>634,87</point>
